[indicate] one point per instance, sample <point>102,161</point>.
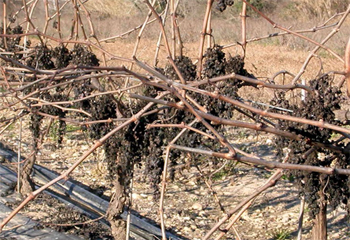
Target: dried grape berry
<point>40,58</point>
<point>62,56</point>
<point>82,56</point>
<point>215,62</point>
<point>185,66</point>
<point>222,4</point>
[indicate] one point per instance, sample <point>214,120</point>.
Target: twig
<point>275,176</point>
<point>320,124</point>
<point>208,182</point>
<point>92,29</point>
<point>269,183</point>
<point>164,179</point>
<point>269,164</point>
<point>262,83</point>
<point>47,17</point>
<point>202,38</point>
<point>347,67</point>
<point>173,19</point>
<point>278,34</point>
<point>128,218</point>
<point>19,173</point>
<point>127,32</point>
<point>170,59</point>
<point>301,218</point>
<point>244,28</point>
<point>155,62</point>
<point>62,108</point>
<point>181,125</point>
<point>209,31</point>
<point>14,16</point>
<point>11,228</point>
<point>234,219</point>
<point>177,30</point>
<point>29,17</point>
<point>58,14</point>
<point>138,39</point>
<point>7,126</point>
<point>74,224</point>
<point>162,193</point>
<point>275,25</point>
<point>4,18</point>
<point>236,233</point>
<point>333,32</point>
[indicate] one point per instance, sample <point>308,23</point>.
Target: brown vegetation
<point>168,99</point>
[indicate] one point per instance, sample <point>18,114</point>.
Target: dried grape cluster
<point>280,100</point>
<point>58,96</point>
<point>215,62</point>
<point>185,66</point>
<point>101,108</point>
<point>222,4</point>
<point>215,65</point>
<point>43,57</point>
<point>62,56</point>
<point>134,144</point>
<point>40,58</point>
<point>12,44</point>
<point>82,56</point>
<point>318,106</point>
<point>130,145</point>
<point>236,65</point>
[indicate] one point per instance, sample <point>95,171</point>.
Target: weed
<point>323,54</point>
<point>11,127</point>
<point>226,171</point>
<point>53,133</point>
<point>281,234</point>
<point>72,128</point>
<point>290,178</point>
<point>219,175</point>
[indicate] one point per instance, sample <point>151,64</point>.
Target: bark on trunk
<point>116,207</point>
<point>319,230</point>
<point>26,183</point>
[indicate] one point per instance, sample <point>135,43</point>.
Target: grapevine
<point>318,106</point>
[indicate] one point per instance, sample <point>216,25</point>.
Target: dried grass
<point>115,7</point>
<point>321,8</point>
